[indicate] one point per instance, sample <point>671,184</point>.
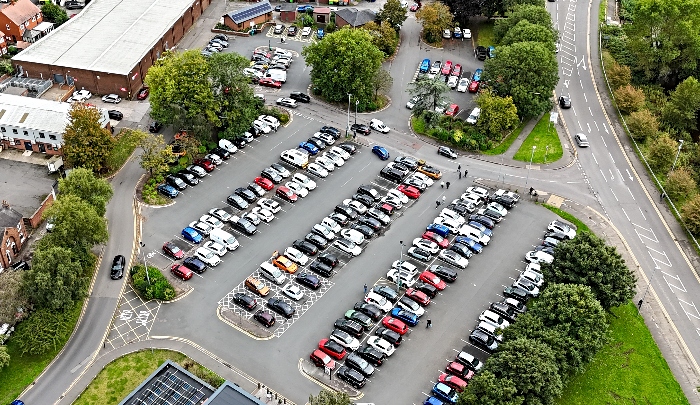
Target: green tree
<point>629,98</point>
<point>430,93</point>
<point>435,18</point>
<point>487,389</point>
<point>83,184</point>
<point>43,331</point>
<point>384,36</point>
<point>661,152</point>
<point>382,82</point>
<point>393,12</point>
<point>76,223</point>
<point>344,63</point>
<point>526,71</point>
<point>680,184</point>
<point>327,397</point>
<point>86,143</point>
<point>691,214</point>
<point>156,154</point>
<point>12,296</point>
<point>680,112</point>
<point>618,75</point>
<point>181,92</point>
<point>55,280</point>
<point>642,125</point>
<point>587,260</point>
<point>53,13</point>
<point>533,14</point>
<point>498,114</point>
<point>525,31</point>
<point>4,357</point>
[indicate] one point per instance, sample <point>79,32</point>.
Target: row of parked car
<point>269,68</point>
<point>217,44</point>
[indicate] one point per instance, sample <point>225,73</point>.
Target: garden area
<point>542,145</point>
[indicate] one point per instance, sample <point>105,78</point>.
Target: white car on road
<point>378,125</point>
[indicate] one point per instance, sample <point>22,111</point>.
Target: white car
<point>406,278</point>
<point>337,160</point>
<point>260,126</point>
<point>379,215</point>
<point>324,231</point>
<point>447,34</point>
<point>344,339</point>
<point>201,227</point>
<point>463,85</point>
<point>450,224</point>
<point>412,102</point>
<point>427,245</point>
<point>211,220</point>
<point>80,95</point>
<point>393,201</point>
<point>293,291</point>
<point>297,188</point>
<point>273,122</point>
<point>331,224</point>
<point>411,306</point>
<point>452,82</point>
<point>470,199</point>
<point>317,170</point>
<point>422,177</point>
<point>325,163</point>
<point>561,227</point>
<point>270,205</point>
<point>287,102</point>
<point>296,256</point>
<point>480,191</point>
<point>112,98</point>
<point>216,159</point>
<point>453,258</point>
<point>381,345</point>
<point>263,213</point>
<point>514,196</point>
<point>535,268</point>
<point>474,116</point>
<point>494,319</point>
<point>347,246</point>
<point>215,247</point>
<point>398,195</point>
<point>253,218</point>
<point>207,256</point>
<point>353,235</point>
<point>304,181</point>
<point>466,33</point>
<point>449,214</point>
<point>356,205</point>
<point>220,214</point>
<point>527,285</point>
<point>378,125</point>
<point>538,257</point>
<point>306,31</point>
<point>498,208</point>
<point>379,301</point>
<point>340,152</point>
<point>405,266</point>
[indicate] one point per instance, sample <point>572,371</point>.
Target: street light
<point>528,168</point>
<point>356,103</point>
<point>148,277</point>
<point>402,245</point>
<point>677,154</point>
<point>347,129</point>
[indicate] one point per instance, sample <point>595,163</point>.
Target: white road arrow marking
<point>582,63</point>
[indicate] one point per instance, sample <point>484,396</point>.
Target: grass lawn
<point>628,370</point>
<point>484,34</point>
<point>542,135</point>
<point>580,226</point>
<point>121,376</point>
<point>124,146</point>
<point>503,146</point>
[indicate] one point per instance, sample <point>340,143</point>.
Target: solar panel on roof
<point>251,12</point>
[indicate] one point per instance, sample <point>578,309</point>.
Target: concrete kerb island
<point>326,381</point>
<point>245,326</point>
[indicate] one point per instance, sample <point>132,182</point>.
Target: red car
<point>321,359</point>
<point>452,381</point>
<point>457,70</point>
<point>395,325</point>
<point>446,68</point>
<point>452,110</point>
<point>142,94</point>
<point>442,242</point>
<point>269,82</point>
<point>205,164</point>
<point>418,296</point>
<point>264,183</point>
<point>181,271</point>
<point>414,7</point>
<point>433,280</point>
<point>332,349</point>
<point>409,191</point>
<point>460,370</point>
<point>173,251</point>
<point>473,87</point>
<point>286,194</point>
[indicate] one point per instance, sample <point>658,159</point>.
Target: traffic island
<point>243,324</point>
<point>326,379</point>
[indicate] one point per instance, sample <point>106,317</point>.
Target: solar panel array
<point>170,389</point>
<point>251,12</point>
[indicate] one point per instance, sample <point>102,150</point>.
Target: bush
<point>43,331</point>
<point>680,184</point>
<point>629,99</point>
<point>691,214</point>
<point>661,153</point>
<point>202,373</point>
<point>619,75</point>
<point>158,288</point>
<point>642,125</point>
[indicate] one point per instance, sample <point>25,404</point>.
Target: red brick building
<point>13,235</point>
<point>246,17</point>
<point>18,17</point>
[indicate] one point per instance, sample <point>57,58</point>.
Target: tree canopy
<point>156,154</point>
<point>487,389</point>
<point>681,110</point>
<point>498,114</point>
<point>82,183</point>
<point>384,36</point>
<point>393,12</point>
<point>531,13</point>
<point>53,13</point>
<point>11,296</point>
<point>430,93</point>
<point>85,142</point>
<point>55,281</point>
<point>525,31</point>
<point>77,224</point>
<point>435,17</point>
<point>327,397</point>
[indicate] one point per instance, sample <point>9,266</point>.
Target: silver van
<point>272,273</point>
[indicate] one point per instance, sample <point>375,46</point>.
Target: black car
<point>445,151</point>
<point>118,264</point>
<point>349,326</point>
<point>329,259</point>
<point>245,226</point>
<point>365,230</point>
<point>237,201</point>
<point>154,127</point>
<point>518,293</point>
<point>389,335</point>
<point>483,340</point>
<point>369,191</point>
<point>508,313</point>
<point>265,318</point>
<point>361,128</point>
<point>483,220</point>
<point>348,147</point>
<point>518,306</point>
<point>271,175</point>
<point>317,142</point>
<point>358,363</point>
<point>340,219</point>
<point>370,222</point>
<point>175,182</point>
<point>506,201</point>
<point>308,280</point>
<point>481,53</point>
<point>445,273</point>
<point>259,191</point>
<point>335,132</point>
<point>419,254</point>
<point>73,5</point>
<point>221,152</point>
<point>305,247</point>
<point>465,206</point>
<point>462,249</point>
<point>555,235</point>
<point>564,102</point>
<point>299,96</point>
<point>407,161</point>
<point>115,115</point>
<point>188,177</point>
<point>194,264</point>
<point>351,376</point>
<point>245,301</point>
<point>239,142</point>
<point>372,355</point>
<point>547,249</point>
<point>550,242</point>
<point>458,208</point>
<point>364,199</point>
<point>246,194</point>
<point>281,307</point>
<point>321,268</point>
<point>426,288</point>
<point>386,292</point>
<point>370,310</point>
<point>318,240</point>
<point>347,211</point>
<point>391,174</point>
<point>361,318</point>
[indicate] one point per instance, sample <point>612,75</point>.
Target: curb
<point>238,328</point>
<point>323,384</point>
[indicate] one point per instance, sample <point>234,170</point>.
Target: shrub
<point>619,75</point>
<point>680,185</point>
<point>43,331</point>
<point>691,214</point>
<point>629,99</point>
<point>642,125</point>
<point>158,288</point>
<point>662,152</point>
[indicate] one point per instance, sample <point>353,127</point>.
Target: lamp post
<point>356,103</point>
<point>529,167</point>
<point>148,277</point>
<point>402,245</point>
<point>347,129</point>
<point>677,154</point>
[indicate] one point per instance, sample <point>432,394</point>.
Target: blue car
<point>433,401</point>
<point>381,152</point>
<point>492,51</point>
<point>477,75</point>
<point>445,393</point>
<point>481,227</point>
<point>473,245</point>
<point>439,229</point>
<point>407,317</point>
<point>168,190</point>
<point>305,9</point>
<point>425,66</point>
<point>191,235</point>
<point>311,148</point>
<point>320,34</point>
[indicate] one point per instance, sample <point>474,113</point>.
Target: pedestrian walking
<point>443,198</point>
<point>428,323</point>
<point>442,184</point>
<point>532,189</point>
<point>662,197</point>
<point>447,185</point>
<point>459,168</point>
<point>365,288</point>
<point>437,204</point>
<point>466,172</point>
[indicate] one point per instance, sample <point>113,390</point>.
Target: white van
<point>474,116</point>
<point>276,74</point>
<point>272,273</point>
<point>228,145</point>
<point>295,157</point>
<point>225,238</point>
<point>475,234</point>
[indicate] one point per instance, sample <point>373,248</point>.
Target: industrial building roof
<point>109,36</point>
<point>33,113</point>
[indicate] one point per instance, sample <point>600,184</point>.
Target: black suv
<point>352,377</point>
<point>299,96</point>
<point>391,174</point>
<point>361,128</point>
<point>175,182</point>
<point>504,200</point>
<point>481,53</point>
<point>118,264</point>
<point>351,327</point>
<point>194,264</point>
<point>372,355</point>
<point>187,177</point>
<point>335,132</point>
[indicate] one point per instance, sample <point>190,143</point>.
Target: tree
<point>393,12</point>
<point>55,280</point>
<point>384,36</point>
<point>86,143</point>
<point>327,397</point>
<point>629,99</point>
<point>680,112</point>
<point>691,214</point>
<point>531,366</point>
<point>53,13</point>
<point>156,154</point>
<point>76,223</point>
<point>382,82</point>
<point>181,92</point>
<point>43,331</point>
<point>526,71</point>
<point>661,152</point>
<point>4,357</point>
<point>344,63</point>
<point>642,125</point>
<point>83,184</point>
<point>680,184</point>
<point>533,14</point>
<point>463,9</point>
<point>525,31</point>
<point>587,260</point>
<point>12,298</point>
<point>618,75</point>
<point>430,93</point>
<point>435,17</point>
<point>498,114</point>
<point>487,389</point>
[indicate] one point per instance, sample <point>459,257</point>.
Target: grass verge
<point>484,34</point>
<point>121,376</point>
<point>542,136</point>
<point>126,142</point>
<point>628,370</point>
<point>22,370</point>
<point>580,226</point>
<point>505,144</point>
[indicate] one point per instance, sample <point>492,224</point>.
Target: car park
<point>286,194</point>
<point>351,327</point>
<point>419,254</point>
<point>187,177</point>
<point>214,158</point>
<point>470,243</point>
<point>403,278</point>
<point>427,289</point>
<point>325,163</point>
<point>504,310</point>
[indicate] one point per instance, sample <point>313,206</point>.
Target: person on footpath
<point>447,185</point>
<point>442,184</point>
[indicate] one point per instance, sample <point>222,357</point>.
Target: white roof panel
<point>110,36</point>
<point>33,113</point>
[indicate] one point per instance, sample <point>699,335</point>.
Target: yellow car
<point>284,264</point>
<point>257,286</point>
<point>430,171</point>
